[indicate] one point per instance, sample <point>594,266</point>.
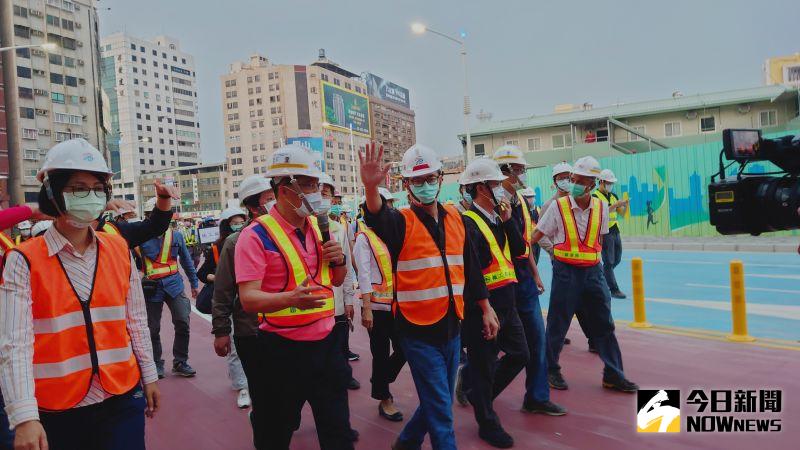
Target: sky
<point>523,57</point>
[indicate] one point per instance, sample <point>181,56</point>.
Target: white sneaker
<point>243,401</point>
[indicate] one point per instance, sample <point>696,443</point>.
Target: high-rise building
<point>321,106</point>
<point>152,98</point>
<point>203,188</point>
<point>3,144</point>
<point>50,96</point>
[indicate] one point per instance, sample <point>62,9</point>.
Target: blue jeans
<point>116,423</point>
<point>433,368</point>
<point>537,388</point>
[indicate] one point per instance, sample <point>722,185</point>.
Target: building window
<point>514,142</point>
<point>480,150</point>
<point>25,92</point>
<point>534,144</point>
<point>55,59</point>
<point>20,11</point>
<point>29,133</point>
<point>672,129</point>
<point>57,98</point>
<point>707,124</point>
<point>633,137</point>
<point>23,72</point>
<point>561,141</point>
<point>768,118</point>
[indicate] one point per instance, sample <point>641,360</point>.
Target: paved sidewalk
<point>740,243</point>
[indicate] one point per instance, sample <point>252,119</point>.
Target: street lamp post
<point>47,46</point>
<point>353,166</point>
<point>419,28</point>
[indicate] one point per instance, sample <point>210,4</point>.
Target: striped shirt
<point>16,325</point>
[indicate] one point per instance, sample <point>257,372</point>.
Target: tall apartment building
<point>203,188</point>
<point>266,105</point>
<point>393,122</point>
<point>152,98</point>
<point>49,96</point>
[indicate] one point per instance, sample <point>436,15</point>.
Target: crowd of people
<point>451,290</point>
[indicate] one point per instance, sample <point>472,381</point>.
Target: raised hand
<point>163,190</point>
<point>373,170</point>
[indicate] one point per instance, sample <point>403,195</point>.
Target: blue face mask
<point>336,210</point>
<point>426,193</point>
<point>237,227</point>
<point>579,190</point>
<point>467,198</point>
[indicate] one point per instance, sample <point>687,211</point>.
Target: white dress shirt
<point>16,324</point>
<point>551,225</point>
<point>344,294</point>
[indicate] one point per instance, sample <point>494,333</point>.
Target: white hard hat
<point>150,204</point>
<point>419,161</point>
<point>586,166</point>
<point>480,170</point>
<point>252,185</point>
<point>40,226</point>
<point>324,178</point>
<point>292,160</point>
<point>509,154</point>
<point>230,212</point>
<point>24,225</point>
<point>74,154</point>
<point>608,176</point>
<point>528,192</point>
<point>560,168</point>
<point>385,193</point>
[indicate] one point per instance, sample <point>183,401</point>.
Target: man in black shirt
<point>437,277</point>
<point>154,225</point>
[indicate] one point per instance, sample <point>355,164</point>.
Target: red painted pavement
<point>201,413</point>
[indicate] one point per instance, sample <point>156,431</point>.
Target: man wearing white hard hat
<point>561,173</point>
<point>612,243</point>
<point>287,266</point>
<point>497,240</point>
<point>256,195</point>
<point>75,386</point>
<point>576,225</point>
<point>437,277</point>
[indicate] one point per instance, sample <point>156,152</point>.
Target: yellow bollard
<point>639,315</point>
<point>738,304</point>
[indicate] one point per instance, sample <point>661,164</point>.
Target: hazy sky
<point>524,57</point>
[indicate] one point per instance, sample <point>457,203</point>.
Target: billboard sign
<point>343,108</point>
<point>313,145</point>
<point>388,91</point>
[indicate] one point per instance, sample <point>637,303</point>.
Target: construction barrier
<point>639,314</point>
<point>738,304</point>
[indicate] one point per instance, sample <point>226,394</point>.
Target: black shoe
<point>354,435</point>
<point>618,294</point>
<point>557,381</point>
<point>160,371</point>
<point>567,341</point>
<point>183,369</point>
<point>461,396</point>
<point>353,356</point>
<point>548,407</point>
<point>621,385</point>
<point>353,384</point>
<point>497,438</point>
<point>396,417</point>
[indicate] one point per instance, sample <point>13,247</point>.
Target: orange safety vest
<point>215,252</point>
<point>6,245</point>
<point>165,265</point>
<point>298,271</point>
<point>74,340</point>
<point>573,251</point>
<point>110,228</point>
<point>382,292</point>
<point>427,279</point>
<point>530,226</point>
<point>501,271</point>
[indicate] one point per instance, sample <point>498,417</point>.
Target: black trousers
<point>387,356</point>
<point>485,376</point>
<point>296,372</point>
<point>248,350</point>
<point>612,255</point>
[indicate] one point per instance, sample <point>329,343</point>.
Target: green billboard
<point>343,108</point>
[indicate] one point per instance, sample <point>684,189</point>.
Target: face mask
<point>324,206</point>
<point>83,211</point>
<point>237,227</point>
<point>499,193</point>
<point>426,193</point>
<point>467,198</point>
<point>578,190</point>
<point>563,185</point>
<point>336,210</point>
<point>314,201</point>
<point>267,206</point>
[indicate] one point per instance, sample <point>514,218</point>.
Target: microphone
<point>324,227</point>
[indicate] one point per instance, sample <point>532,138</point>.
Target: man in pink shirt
<point>286,267</point>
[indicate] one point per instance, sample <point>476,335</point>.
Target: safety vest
<point>74,340</point>
<point>215,252</point>
<point>6,244</point>
<point>427,279</point>
<point>612,215</point>
<point>529,224</point>
<point>164,265</point>
<point>382,292</point>
<point>110,228</point>
<point>189,237</point>
<point>299,271</point>
<point>573,251</point>
<point>501,271</point>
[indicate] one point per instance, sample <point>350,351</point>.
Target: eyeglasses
<point>82,190</point>
<point>430,179</point>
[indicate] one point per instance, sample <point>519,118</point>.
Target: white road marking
<point>759,309</point>
<point>714,263</point>
<point>722,286</point>
<point>777,277</point>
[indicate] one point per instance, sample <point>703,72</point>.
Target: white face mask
<point>269,205</point>
<point>499,193</point>
<point>81,212</point>
<point>324,206</point>
<point>564,185</point>
<point>314,201</point>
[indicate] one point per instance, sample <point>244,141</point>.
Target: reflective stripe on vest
<point>298,272</point>
<point>427,279</point>
<point>383,291</point>
<point>110,228</point>
<point>501,271</point>
<point>612,215</point>
<point>6,243</point>
<point>530,226</point>
<point>73,340</point>
<point>573,251</point>
<point>164,266</point>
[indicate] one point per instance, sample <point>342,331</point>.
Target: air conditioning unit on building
<point>38,33</point>
<point>743,109</point>
<point>41,112</point>
<point>38,72</point>
<point>79,43</point>
<point>80,62</point>
<point>35,13</point>
<point>44,132</point>
<point>83,99</point>
<point>39,92</point>
<point>691,115</point>
<point>78,25</point>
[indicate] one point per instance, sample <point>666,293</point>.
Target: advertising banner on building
<point>343,108</point>
<point>314,145</point>
<point>388,91</point>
